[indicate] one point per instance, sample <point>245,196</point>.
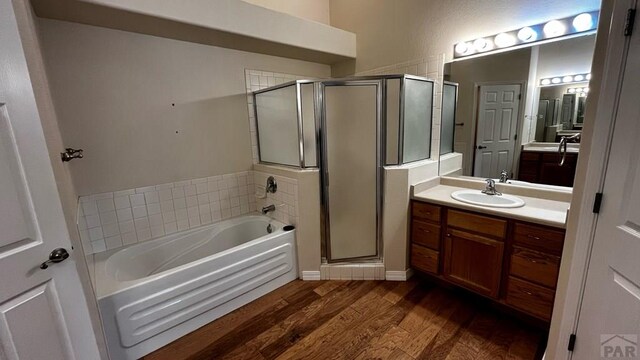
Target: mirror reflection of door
<point>498,109</point>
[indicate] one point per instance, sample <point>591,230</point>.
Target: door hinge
<point>572,342</point>
<point>628,26</point>
<point>596,203</point>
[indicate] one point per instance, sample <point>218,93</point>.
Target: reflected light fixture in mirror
<point>565,79</point>
<point>553,29</point>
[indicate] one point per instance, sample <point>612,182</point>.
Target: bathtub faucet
<point>268,209</point>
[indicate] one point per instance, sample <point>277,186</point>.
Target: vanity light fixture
<point>527,34</point>
<point>582,91</point>
<point>584,24</point>
<point>482,44</point>
<point>565,79</point>
<point>554,28</point>
<point>504,40</point>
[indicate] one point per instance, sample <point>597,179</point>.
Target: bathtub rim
<point>106,285</point>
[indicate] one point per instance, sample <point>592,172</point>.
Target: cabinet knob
<point>448,235</point>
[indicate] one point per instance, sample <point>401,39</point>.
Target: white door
<point>43,313</point>
<point>496,130</point>
<point>609,319</point>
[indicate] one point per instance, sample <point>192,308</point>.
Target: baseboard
<point>398,275</point>
<point>311,275</point>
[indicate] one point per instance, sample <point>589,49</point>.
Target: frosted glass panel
<point>448,118</point>
<point>418,100</point>
<point>308,125</point>
<point>277,121</point>
<point>350,131</point>
<point>393,121</point>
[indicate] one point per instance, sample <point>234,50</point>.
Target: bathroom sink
<point>476,197</point>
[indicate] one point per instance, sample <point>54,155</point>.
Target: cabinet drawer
<point>530,298</point>
<point>538,238</point>
<point>535,266</point>
<point>425,234</point>
<point>424,259</point>
<point>477,223</point>
<point>530,156</point>
<point>420,210</point>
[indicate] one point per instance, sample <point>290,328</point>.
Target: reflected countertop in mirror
<point>549,147</point>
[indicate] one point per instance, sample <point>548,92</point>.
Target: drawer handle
<point>533,261</point>
<point>425,231</point>
<point>528,293</point>
<point>533,237</point>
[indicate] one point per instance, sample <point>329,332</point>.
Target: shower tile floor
<point>360,320</point>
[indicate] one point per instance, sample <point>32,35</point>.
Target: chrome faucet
<point>562,148</point>
<point>491,188</point>
<point>504,176</point>
<point>268,209</point>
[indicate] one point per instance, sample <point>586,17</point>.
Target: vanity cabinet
<point>544,168</point>
<point>515,263</point>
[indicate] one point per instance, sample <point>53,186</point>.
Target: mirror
<point>513,109</point>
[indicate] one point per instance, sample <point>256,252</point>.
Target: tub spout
<point>268,209</point>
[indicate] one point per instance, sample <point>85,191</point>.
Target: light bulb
<point>545,82</point>
<point>583,22</point>
<point>571,90</point>
<point>588,77</point>
<point>554,28</point>
<point>482,44</point>
<point>585,89</point>
<point>504,40</point>
<point>462,48</point>
<point>578,78</point>
<point>567,79</point>
<point>556,80</point>
<point>527,34</point>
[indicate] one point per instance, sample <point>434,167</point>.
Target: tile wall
<point>285,199</point>
<point>110,220</point>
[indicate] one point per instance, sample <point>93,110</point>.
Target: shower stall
<point>350,129</point>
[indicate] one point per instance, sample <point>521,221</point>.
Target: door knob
<point>480,147</point>
<point>56,256</point>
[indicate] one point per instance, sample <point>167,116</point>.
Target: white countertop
<point>536,210</point>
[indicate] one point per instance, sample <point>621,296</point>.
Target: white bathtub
<point>154,292</point>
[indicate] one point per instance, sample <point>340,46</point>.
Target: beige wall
<point>572,56</point>
<point>391,31</point>
<point>315,10</point>
<point>512,66</point>
<point>114,93</point>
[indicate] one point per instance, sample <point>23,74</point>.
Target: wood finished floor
<point>359,320</point>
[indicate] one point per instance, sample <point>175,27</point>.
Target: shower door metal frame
<point>298,88</point>
<point>378,82</point>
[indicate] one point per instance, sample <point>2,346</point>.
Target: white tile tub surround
<point>111,220</point>
<point>257,80</point>
<point>363,271</point>
<point>285,198</point>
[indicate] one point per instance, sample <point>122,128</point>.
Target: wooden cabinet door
<point>473,261</point>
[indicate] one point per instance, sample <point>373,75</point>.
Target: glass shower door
<point>351,168</point>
